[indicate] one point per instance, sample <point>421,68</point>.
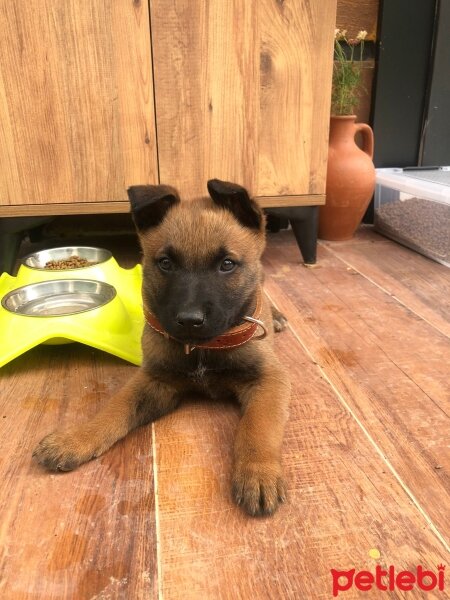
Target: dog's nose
<point>191,318</point>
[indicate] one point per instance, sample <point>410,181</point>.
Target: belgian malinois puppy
<point>209,330</point>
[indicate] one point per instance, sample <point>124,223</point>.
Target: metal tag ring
<point>261,324</point>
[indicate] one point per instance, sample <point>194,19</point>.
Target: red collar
<point>236,336</point>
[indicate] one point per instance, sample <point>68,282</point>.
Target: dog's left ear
<point>150,203</point>
<point>235,198</point>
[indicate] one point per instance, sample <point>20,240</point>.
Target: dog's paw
<point>280,323</point>
<point>62,451</point>
<point>259,489</point>
<point>279,320</point>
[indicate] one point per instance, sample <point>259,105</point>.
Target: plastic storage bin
<point>412,207</point>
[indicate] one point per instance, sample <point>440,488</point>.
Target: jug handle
<point>367,135</point>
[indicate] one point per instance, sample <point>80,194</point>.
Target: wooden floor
<point>366,452</point>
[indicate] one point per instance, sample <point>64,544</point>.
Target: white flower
<point>361,35</point>
<point>339,34</point>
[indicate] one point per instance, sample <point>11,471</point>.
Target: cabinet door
<point>242,93</point>
<point>76,101</point>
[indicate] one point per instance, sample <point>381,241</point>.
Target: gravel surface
<point>420,224</point>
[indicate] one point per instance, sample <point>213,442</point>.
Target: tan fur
<point>196,230</point>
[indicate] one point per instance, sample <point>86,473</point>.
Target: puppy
<point>209,329</point>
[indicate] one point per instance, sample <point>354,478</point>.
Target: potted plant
<point>350,172</point>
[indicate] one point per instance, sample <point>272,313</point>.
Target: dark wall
<point>404,60</point>
<point>436,127</point>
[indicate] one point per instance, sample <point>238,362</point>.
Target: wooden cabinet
<point>97,96</point>
<point>77,118</point>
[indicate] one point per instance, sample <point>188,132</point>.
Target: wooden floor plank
<point>85,535</point>
<point>417,282</point>
<point>389,365</point>
<point>93,534</point>
<point>343,501</point>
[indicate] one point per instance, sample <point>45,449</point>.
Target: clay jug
<point>350,179</point>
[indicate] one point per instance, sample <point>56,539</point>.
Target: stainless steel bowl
<point>57,298</point>
<point>38,260</point>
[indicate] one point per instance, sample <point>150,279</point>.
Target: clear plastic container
<point>412,207</point>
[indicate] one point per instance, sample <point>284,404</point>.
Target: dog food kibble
<point>73,262</point>
<point>420,224</point>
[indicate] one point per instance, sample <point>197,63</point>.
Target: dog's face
<point>201,259</point>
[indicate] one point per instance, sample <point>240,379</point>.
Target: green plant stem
<point>346,78</point>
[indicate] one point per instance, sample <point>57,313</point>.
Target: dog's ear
<point>150,203</point>
<point>235,198</point>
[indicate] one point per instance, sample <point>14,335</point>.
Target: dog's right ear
<point>235,198</point>
<point>150,203</point>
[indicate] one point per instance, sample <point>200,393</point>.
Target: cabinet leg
<point>9,248</point>
<point>304,221</point>
<point>305,231</point>
<point>12,232</point>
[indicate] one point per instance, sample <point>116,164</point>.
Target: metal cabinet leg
<point>304,221</point>
<point>12,231</point>
<point>305,231</point>
<point>9,248</point>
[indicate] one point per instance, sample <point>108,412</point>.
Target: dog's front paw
<point>259,488</point>
<point>279,320</point>
<point>62,451</point>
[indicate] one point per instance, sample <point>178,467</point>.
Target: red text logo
<point>388,579</point>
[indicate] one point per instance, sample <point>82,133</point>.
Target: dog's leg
<point>140,401</point>
<point>257,479</point>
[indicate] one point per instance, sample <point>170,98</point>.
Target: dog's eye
<point>164,263</point>
<point>227,265</point>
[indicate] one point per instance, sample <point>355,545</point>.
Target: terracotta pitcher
<point>350,179</point>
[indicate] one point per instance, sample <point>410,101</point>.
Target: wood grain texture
<point>81,535</point>
<point>357,15</point>
<point>76,100</point>
<point>242,93</point>
<point>417,282</point>
<point>342,501</point>
<point>84,208</point>
<point>205,69</point>
<point>389,364</point>
<point>69,208</point>
<point>296,69</point>
<point>303,200</point>
<point>367,429</point>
